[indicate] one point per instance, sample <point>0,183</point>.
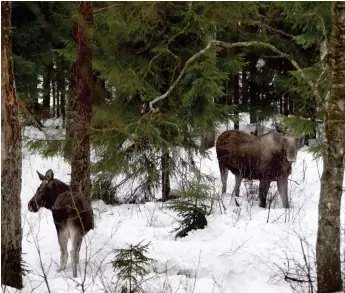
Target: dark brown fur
<point>266,158</point>
<point>72,214</point>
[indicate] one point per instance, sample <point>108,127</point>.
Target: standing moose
<point>72,214</point>
<point>267,158</point>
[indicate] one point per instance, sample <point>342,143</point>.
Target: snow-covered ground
<point>240,250</point>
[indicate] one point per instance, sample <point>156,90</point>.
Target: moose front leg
<point>282,184</point>
<point>224,172</point>
<point>63,240</point>
<point>263,190</point>
<point>76,237</point>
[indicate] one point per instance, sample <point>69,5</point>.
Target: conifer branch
<point>106,8</point>
<point>167,93</point>
<point>216,43</point>
<point>259,23</point>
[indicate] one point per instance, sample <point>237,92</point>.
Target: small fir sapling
<point>131,265</point>
<point>192,208</point>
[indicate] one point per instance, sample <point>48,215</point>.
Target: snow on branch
<point>216,43</point>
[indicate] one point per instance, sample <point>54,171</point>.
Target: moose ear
<point>41,176</point>
<point>49,175</point>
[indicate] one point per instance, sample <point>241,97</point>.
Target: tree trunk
<point>54,99</point>
<point>244,106</point>
<point>80,175</point>
<point>63,100</point>
<point>46,86</point>
<point>253,91</point>
<point>11,232</point>
<point>286,105</point>
<point>328,236</point>
<point>165,174</point>
<point>236,87</point>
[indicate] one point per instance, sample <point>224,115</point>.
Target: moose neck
<point>59,187</point>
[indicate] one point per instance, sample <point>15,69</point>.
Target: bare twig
<point>222,44</point>
<point>107,8</point>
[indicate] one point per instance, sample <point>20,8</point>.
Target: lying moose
<point>72,214</point>
<point>266,157</point>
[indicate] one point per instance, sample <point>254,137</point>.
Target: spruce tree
<point>192,206</point>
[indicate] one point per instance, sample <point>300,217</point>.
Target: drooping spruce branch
<point>215,43</point>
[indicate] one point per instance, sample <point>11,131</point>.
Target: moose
<point>266,158</point>
<point>72,214</point>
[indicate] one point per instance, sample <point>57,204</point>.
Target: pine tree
<point>80,175</point>
<point>328,237</point>
<point>11,230</point>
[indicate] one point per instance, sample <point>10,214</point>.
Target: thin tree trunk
<point>165,174</point>
<point>63,99</point>
<point>11,232</point>
<point>80,175</point>
<point>286,105</point>
<point>54,99</point>
<point>236,87</point>
<point>328,236</point>
<point>46,86</point>
<point>291,109</point>
<point>244,106</point>
<point>252,89</point>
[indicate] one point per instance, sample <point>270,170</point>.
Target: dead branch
<point>107,8</point>
<point>222,44</point>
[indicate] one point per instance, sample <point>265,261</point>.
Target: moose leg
<point>224,176</point>
<point>76,237</point>
<point>236,191</point>
<point>282,184</point>
<point>238,181</point>
<point>263,189</point>
<point>63,240</point>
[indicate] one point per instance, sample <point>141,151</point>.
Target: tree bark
<point>328,236</point>
<point>11,232</point>
<point>80,175</point>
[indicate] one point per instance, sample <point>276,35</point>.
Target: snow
<point>240,250</point>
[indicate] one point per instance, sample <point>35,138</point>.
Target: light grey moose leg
<point>236,191</point>
<point>282,184</point>
<point>63,234</point>
<point>224,172</point>
<point>76,237</point>
<point>238,181</point>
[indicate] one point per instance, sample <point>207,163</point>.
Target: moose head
<point>290,144</point>
<point>45,195</point>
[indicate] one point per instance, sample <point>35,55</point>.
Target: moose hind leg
<point>63,235</point>
<point>263,190</point>
<point>282,184</point>
<point>76,237</point>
